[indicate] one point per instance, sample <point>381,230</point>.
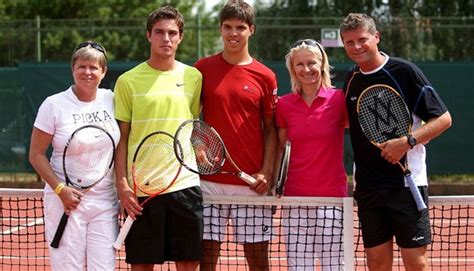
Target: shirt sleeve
<point>45,119</point>
<point>280,116</point>
<point>426,104</point>
<point>270,96</point>
<point>123,102</point>
<point>196,102</point>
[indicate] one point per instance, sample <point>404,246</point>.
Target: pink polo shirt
<point>316,134</point>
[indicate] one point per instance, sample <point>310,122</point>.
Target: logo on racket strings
<point>385,119</point>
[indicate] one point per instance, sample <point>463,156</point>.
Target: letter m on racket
<point>382,113</point>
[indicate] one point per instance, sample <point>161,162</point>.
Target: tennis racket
<point>154,170</point>
<point>283,171</point>
<point>199,148</point>
<point>383,115</point>
<point>87,158</point>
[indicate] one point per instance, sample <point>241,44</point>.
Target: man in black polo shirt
<point>386,205</point>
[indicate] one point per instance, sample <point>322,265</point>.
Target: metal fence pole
<point>38,38</point>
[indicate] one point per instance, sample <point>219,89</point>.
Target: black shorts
<point>387,213</point>
<point>169,229</point>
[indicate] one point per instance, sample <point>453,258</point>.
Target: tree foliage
<point>118,24</point>
<point>48,30</point>
<point>417,30</point>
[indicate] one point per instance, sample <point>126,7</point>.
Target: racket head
<point>88,156</point>
<point>199,148</point>
<point>154,166</point>
<point>283,171</point>
<point>383,114</point>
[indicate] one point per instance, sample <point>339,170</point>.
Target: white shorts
<point>90,233</point>
<point>249,224</point>
<point>313,233</point>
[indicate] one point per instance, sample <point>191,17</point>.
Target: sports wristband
<point>59,188</point>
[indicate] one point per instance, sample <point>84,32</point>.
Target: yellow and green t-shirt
<point>153,100</point>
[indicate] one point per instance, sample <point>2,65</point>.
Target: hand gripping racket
<point>383,115</point>
<point>283,171</point>
<point>154,170</point>
<point>199,148</point>
<point>87,158</point>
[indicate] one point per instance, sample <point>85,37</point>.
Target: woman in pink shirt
<point>313,118</point>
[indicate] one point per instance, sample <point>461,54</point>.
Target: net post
<point>348,233</point>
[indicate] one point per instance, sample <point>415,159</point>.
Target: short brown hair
<point>237,9</point>
<point>165,13</point>
<point>357,20</point>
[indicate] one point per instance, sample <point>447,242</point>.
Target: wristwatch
<point>411,141</point>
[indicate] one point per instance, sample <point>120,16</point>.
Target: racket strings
<point>212,148</point>
<point>283,171</point>
<point>202,149</point>
<point>383,114</point>
<point>88,156</point>
<point>155,166</point>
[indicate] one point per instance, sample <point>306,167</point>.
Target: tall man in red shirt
<point>238,99</point>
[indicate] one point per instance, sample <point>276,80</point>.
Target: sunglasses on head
<point>309,42</point>
<point>94,45</point>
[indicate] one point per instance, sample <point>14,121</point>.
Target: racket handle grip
<point>279,188</point>
<point>247,178</point>
<point>59,231</point>
<point>278,194</point>
<point>420,203</point>
<point>123,233</point>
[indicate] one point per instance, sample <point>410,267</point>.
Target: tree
<point>417,30</point>
<point>118,24</point>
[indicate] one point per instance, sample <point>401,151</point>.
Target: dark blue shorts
<point>169,229</point>
<point>384,214</point>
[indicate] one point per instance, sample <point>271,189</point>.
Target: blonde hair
<point>90,51</point>
<point>318,51</point>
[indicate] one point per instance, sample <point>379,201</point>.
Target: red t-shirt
<point>235,99</point>
<point>316,134</point>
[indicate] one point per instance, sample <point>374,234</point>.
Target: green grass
<point>452,179</point>
<point>18,177</point>
<point>444,179</point>
<point>22,177</point>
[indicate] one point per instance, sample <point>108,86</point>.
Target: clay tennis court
<point>23,246</point>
